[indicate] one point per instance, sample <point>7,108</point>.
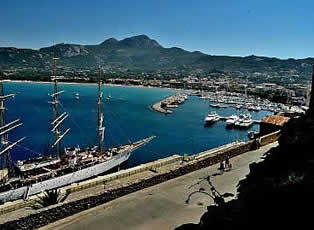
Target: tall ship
<point>69,165</point>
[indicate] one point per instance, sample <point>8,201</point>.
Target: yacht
<point>246,122</point>
<point>211,118</point>
<point>230,122</point>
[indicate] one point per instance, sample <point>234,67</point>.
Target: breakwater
<point>164,169</point>
<point>172,101</point>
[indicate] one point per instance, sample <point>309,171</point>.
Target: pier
<point>226,118</point>
<point>172,101</point>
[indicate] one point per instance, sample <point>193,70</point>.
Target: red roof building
<point>272,123</point>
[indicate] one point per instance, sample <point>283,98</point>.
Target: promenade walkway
<point>162,206</point>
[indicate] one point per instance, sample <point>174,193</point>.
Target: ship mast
<point>58,119</point>
<point>6,164</point>
<point>101,128</point>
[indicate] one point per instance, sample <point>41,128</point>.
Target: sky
<point>277,28</point>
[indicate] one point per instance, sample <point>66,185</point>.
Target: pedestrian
<point>257,143</point>
<point>227,163</point>
<point>221,167</point>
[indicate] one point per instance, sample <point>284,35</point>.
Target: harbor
<point>121,117</point>
<point>30,176</point>
<point>226,118</point>
<point>239,101</point>
<point>241,121</point>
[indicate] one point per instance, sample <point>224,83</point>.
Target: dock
<point>172,101</point>
<point>226,118</point>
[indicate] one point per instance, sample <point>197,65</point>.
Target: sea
<point>127,118</point>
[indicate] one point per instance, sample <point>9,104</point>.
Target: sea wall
<point>184,163</point>
<point>269,138</point>
<point>123,173</point>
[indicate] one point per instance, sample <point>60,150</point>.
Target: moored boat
<point>73,164</point>
<point>211,118</point>
<point>230,122</point>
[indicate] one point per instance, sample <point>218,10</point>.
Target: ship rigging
<point>32,176</point>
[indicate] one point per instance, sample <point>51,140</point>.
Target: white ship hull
<point>67,179</point>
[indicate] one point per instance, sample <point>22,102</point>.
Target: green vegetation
<point>140,54</point>
<point>50,197</point>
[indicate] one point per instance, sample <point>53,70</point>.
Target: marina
<point>223,99</point>
<point>243,121</point>
<point>122,113</point>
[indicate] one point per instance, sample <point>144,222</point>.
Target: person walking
<point>227,162</point>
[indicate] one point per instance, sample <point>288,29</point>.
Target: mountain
<point>140,54</point>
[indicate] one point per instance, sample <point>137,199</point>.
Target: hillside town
<point>295,94</point>
<point>289,92</point>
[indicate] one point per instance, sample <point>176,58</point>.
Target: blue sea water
<point>127,117</point>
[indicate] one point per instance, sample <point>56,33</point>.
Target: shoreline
<point>91,83</point>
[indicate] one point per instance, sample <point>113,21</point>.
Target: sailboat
<point>29,177</point>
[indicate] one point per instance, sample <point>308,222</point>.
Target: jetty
<point>172,101</point>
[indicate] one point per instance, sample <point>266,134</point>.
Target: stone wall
<point>270,138</point>
<point>123,173</point>
<point>201,160</point>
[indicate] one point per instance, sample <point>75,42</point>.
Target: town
<point>294,94</point>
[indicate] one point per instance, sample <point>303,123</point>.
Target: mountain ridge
<point>143,54</point>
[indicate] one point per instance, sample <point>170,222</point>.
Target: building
<point>272,123</point>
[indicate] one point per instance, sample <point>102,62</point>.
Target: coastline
<point>90,83</point>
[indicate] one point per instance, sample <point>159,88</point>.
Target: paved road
<point>162,206</point>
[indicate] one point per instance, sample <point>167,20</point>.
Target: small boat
<point>76,95</point>
<point>246,122</point>
<point>215,105</point>
<point>250,108</point>
<point>211,118</point>
<point>230,122</point>
<point>256,108</point>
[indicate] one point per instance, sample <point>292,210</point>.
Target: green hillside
<point>142,54</point>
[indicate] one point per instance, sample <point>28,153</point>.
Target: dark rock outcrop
<point>278,192</point>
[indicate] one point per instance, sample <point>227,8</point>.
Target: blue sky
<point>219,27</point>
